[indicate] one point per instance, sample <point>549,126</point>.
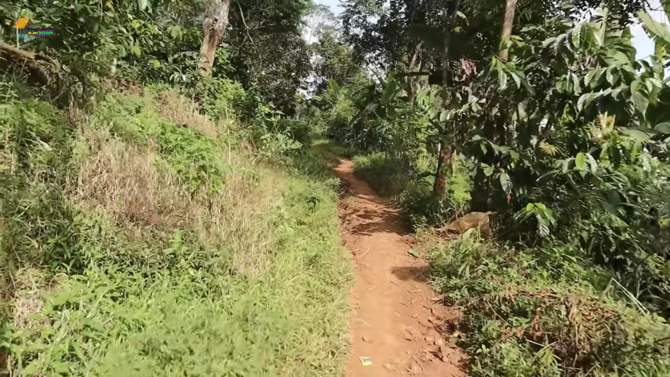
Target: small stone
<point>366,339</point>
<point>439,342</point>
<point>430,339</point>
<point>409,333</point>
<point>414,369</point>
<point>444,352</point>
<point>425,322</point>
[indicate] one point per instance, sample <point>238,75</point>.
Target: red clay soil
<point>398,322</point>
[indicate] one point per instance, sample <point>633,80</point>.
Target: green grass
<point>136,246</point>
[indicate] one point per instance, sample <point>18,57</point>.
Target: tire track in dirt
<point>397,321</point>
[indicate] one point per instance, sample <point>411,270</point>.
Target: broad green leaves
<point>659,32</point>
<point>543,215</point>
<point>580,161</point>
<point>640,101</point>
<point>506,183</point>
<point>655,29</point>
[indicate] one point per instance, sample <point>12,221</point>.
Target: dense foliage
<point>136,194</point>
<point>156,222</point>
<point>564,138</point>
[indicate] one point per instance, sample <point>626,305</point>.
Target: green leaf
<point>576,84</point>
<point>143,4</point>
<point>33,368</point>
<point>580,161</point>
<point>641,102</point>
<point>589,77</point>
<point>548,41</point>
<point>577,35</point>
<point>60,368</point>
<point>660,49</point>
<point>649,85</point>
<point>663,128</point>
<point>414,253</point>
<point>559,41</point>
<point>636,134</point>
<point>635,86</point>
<point>597,77</point>
<point>610,76</point>
<point>654,28</point>
<point>175,32</point>
<point>488,171</point>
<point>506,183</point>
<point>655,82</point>
<point>334,86</point>
<point>516,78</point>
<point>461,15</point>
<point>584,101</point>
<point>136,50</point>
<point>502,78</point>
<point>390,91</point>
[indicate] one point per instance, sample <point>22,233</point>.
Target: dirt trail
<point>397,322</point>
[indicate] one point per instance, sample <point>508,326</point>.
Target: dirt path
<point>396,322</point>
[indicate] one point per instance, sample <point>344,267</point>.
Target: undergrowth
<point>409,185</point>
<point>139,239</point>
<point>546,312</point>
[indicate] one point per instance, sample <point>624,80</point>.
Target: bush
<point>385,175</point>
<point>410,185</point>
<point>538,312</point>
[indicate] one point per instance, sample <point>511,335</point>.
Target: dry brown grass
<point>182,111</point>
<point>123,183</point>
<point>29,285</point>
<point>238,219</point>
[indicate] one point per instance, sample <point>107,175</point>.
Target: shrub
<point>385,175</point>
<point>538,312</point>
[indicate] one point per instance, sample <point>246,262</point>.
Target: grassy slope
<point>136,242</point>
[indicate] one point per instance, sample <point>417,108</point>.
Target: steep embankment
<point>136,241</point>
<point>397,321</point>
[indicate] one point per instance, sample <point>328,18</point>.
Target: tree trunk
<point>214,27</point>
<point>35,64</point>
<point>411,90</point>
<point>508,24</point>
<point>444,160</point>
<point>445,155</point>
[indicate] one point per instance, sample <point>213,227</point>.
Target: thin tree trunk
<point>444,160</point>
<point>214,27</point>
<point>411,92</point>
<point>446,152</point>
<point>508,24</point>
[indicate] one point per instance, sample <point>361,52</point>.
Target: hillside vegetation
<point>555,131</point>
<point>136,241</point>
<point>162,210</point>
<point>154,222</point>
